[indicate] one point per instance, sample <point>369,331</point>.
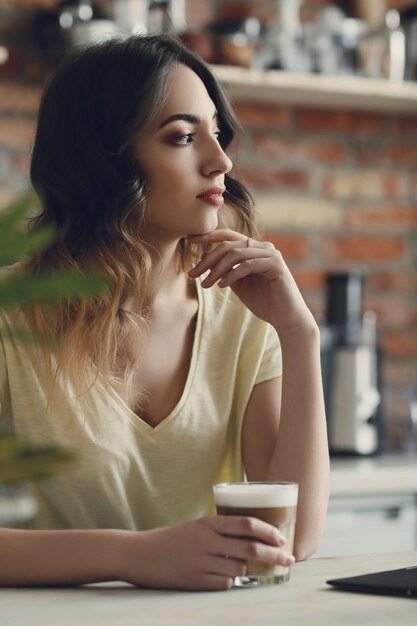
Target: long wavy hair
<point>93,194</point>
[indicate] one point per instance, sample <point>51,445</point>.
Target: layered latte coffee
<point>274,503</point>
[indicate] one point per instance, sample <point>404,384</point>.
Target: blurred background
<point>326,94</point>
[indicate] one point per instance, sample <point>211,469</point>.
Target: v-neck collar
<point>119,403</point>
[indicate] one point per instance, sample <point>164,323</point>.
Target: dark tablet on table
<point>397,582</point>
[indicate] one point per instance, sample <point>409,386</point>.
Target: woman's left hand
<point>258,275</point>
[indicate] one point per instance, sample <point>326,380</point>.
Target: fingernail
<point>290,560</point>
<point>280,538</point>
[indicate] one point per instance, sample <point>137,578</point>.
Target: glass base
<point>259,581</point>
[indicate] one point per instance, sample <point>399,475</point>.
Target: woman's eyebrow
<point>186,117</point>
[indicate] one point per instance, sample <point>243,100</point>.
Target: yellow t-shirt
<point>128,474</point>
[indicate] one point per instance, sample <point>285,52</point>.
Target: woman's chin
<point>208,226</point>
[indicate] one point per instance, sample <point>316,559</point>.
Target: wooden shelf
<point>318,91</point>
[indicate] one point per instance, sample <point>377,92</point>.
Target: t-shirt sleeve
<point>271,363</point>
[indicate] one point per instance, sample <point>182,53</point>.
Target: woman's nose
<point>216,160</point>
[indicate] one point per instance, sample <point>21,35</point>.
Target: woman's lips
<point>213,196</point>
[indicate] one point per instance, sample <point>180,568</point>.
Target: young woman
<point>200,365</point>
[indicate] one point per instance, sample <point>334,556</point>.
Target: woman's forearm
<point>61,557</point>
<point>187,556</point>
<point>301,451</point>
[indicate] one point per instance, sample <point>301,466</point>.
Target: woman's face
<point>182,161</point>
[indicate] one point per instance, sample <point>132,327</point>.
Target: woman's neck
<point>169,282</point>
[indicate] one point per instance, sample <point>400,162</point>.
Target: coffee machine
<point>350,360</point>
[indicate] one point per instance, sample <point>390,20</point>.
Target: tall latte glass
<point>273,502</point>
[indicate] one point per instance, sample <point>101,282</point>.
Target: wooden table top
<point>305,600</point>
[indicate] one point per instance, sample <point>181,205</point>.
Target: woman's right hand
<point>203,554</point>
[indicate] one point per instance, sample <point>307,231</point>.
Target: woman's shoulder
<point>233,333</point>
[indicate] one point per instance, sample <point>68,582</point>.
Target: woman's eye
<point>183,140</point>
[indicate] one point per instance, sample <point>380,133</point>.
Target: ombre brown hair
<point>93,194</point>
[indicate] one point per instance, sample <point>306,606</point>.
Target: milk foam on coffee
<point>256,495</point>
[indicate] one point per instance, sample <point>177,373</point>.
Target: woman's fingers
<point>242,550</point>
<point>215,582</point>
<point>248,527</point>
<point>248,538</point>
<point>233,248</point>
<point>227,255</point>
<point>226,565</point>
<point>235,259</point>
<point>243,539</point>
<point>209,259</point>
<point>253,266</point>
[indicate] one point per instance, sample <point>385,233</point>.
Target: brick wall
<point>336,190</point>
